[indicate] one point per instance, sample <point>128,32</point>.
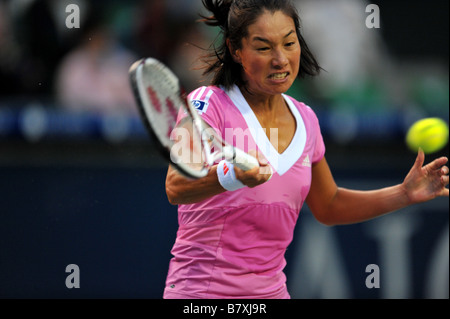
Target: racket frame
<point>223,149</point>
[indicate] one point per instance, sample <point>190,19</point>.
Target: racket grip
<point>244,161</point>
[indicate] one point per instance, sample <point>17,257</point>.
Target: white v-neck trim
<point>280,162</point>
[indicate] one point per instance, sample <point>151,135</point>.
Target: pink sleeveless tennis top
<point>233,245</point>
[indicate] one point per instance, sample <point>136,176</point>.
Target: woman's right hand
<point>256,176</point>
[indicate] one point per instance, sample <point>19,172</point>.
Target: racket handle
<point>244,161</point>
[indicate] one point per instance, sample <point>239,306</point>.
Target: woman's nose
<point>279,59</point>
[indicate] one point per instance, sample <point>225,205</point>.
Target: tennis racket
<point>182,137</point>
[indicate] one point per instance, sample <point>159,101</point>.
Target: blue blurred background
<point>80,182</point>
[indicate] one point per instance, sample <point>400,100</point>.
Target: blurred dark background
<point>80,182</point>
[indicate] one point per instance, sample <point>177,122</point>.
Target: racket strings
<point>171,118</point>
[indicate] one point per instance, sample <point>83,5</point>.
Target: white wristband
<point>227,177</point>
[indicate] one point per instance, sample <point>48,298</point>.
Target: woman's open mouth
<point>279,76</point>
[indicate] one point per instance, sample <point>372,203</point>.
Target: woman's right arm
<point>181,190</point>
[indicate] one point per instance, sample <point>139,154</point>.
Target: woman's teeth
<point>279,76</point>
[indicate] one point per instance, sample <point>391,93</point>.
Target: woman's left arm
<point>332,205</point>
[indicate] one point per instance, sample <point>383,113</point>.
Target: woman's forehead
<point>272,26</point>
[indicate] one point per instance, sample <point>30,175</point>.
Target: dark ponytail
<point>219,61</point>
<point>220,11</point>
<point>234,17</point>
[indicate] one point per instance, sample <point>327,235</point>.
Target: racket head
<point>165,114</point>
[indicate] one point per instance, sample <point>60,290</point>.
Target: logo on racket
<point>200,106</point>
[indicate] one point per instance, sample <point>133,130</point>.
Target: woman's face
<point>270,55</point>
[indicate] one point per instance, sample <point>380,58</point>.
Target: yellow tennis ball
<point>430,134</point>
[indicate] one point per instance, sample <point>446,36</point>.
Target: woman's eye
<point>290,44</point>
<point>263,49</point>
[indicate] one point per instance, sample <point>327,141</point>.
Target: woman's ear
<point>234,53</point>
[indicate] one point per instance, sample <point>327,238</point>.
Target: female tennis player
<point>235,225</point>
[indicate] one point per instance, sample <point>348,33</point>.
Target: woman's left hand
<point>424,183</point>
